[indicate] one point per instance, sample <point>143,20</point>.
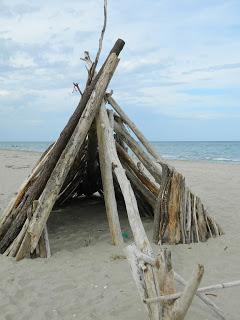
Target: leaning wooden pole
<point>139,234</point>
<point>107,181</point>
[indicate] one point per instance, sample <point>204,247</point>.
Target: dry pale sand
<point>88,278</point>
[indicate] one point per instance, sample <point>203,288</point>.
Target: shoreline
<point>20,150</point>
<point>170,160</point>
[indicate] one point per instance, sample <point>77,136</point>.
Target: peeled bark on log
<point>174,201</point>
<point>179,216</point>
<point>161,209</point>
<point>12,227</point>
<point>63,166</point>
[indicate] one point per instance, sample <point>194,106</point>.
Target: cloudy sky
<point>178,78</point>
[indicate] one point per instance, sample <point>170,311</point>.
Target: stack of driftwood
<point>102,151</point>
<point>94,146</point>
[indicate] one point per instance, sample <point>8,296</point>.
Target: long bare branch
<point>93,68</point>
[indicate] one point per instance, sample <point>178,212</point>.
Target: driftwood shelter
<point>101,150</point>
<point>94,153</point>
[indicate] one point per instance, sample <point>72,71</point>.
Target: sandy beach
<point>88,278</point>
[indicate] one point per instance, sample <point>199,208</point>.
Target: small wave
<point>222,159</point>
<point>169,156</point>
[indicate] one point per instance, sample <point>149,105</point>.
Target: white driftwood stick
<point>203,297</point>
<point>139,234</point>
<point>182,305</point>
<point>199,290</point>
<point>218,286</point>
<point>64,163</point>
<point>135,130</point>
<point>107,181</point>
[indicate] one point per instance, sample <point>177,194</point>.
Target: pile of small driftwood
<point>101,150</point>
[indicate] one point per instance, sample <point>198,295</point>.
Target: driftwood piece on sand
<point>170,308</point>
<point>179,295</point>
<point>179,214</point>
<point>218,312</point>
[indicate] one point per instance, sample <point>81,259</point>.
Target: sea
<point>214,151</point>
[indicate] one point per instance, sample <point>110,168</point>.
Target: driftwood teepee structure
<point>95,153</point>
<point>101,150</point>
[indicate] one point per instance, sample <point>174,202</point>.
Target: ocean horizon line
<point>213,151</point>
<point>51,141</point>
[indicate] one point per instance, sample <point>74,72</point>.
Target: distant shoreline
<point>171,160</point>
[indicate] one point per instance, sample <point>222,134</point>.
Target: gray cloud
<point>20,9</point>
<point>220,67</point>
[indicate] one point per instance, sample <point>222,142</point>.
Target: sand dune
<point>88,278</point>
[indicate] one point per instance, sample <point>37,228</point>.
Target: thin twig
<point>76,88</point>
<point>93,68</point>
<point>177,295</point>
